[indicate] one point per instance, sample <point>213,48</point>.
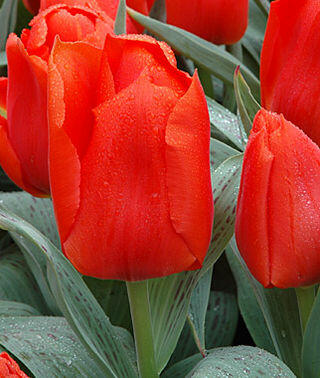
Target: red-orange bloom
<point>23,97</point>
<point>32,5</point>
<point>218,21</point>
<point>110,7</point>
<point>9,368</point>
<point>130,183</point>
<point>278,213</point>
<point>290,64</point>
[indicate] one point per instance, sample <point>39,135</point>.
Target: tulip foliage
<point>157,187</point>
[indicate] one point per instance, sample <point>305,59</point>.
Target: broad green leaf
<point>10,308</point>
<point>225,124</point>
<point>240,362</point>
<point>84,315</point>
<point>8,19</point>
<point>253,38</point>
<point>219,152</point>
<point>281,314</point>
<point>170,296</point>
<point>311,343</point>
<point>264,5</point>
<point>221,319</point>
<point>205,54</point>
<point>39,213</point>
<point>16,281</point>
<point>48,347</point>
<point>247,105</point>
<point>121,19</point>
<point>198,308</point>
<point>182,368</point>
<point>249,305</point>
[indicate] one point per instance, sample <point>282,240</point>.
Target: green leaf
<point>219,152</point>
<point>281,314</point>
<point>247,105</point>
<point>240,362</point>
<point>221,319</point>
<point>47,346</point>
<point>205,54</point>
<point>9,308</point>
<point>84,315</point>
<point>182,368</point>
<point>198,308</point>
<point>8,19</point>
<point>120,23</point>
<point>264,5</point>
<point>249,305</point>
<point>311,343</point>
<point>39,213</point>
<point>16,281</point>
<point>170,296</point>
<point>224,124</point>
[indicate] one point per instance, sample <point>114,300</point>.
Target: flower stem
<point>142,327</point>
<point>206,81</point>
<point>305,297</point>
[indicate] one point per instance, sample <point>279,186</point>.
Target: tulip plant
<point>159,188</point>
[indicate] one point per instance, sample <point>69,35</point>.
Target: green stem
<point>305,297</point>
<point>206,81</point>
<point>142,327</point>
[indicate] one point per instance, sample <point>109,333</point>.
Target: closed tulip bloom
<point>217,21</point>
<point>290,64</point>
<point>32,5</point>
<point>9,368</point>
<point>278,212</point>
<point>24,134</point>
<point>110,7</point>
<point>131,187</point>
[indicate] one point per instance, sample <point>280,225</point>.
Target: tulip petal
<point>252,209</point>
<point>140,52</point>
<point>188,170</point>
<point>73,69</point>
<point>124,192</point>
<point>290,64</point>
<point>3,94</point>
<point>10,162</point>
<point>27,116</point>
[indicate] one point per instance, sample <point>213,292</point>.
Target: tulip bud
<point>9,367</point>
<point>290,64</point>
<point>131,188</point>
<point>278,212</point>
<point>217,21</point>
<point>24,135</point>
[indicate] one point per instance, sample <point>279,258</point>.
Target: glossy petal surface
<point>290,64</point>
<point>218,21</point>
<point>278,214</point>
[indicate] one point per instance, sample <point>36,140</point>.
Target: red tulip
<point>290,64</point>
<point>218,21</point>
<point>130,186</point>
<point>110,7</point>
<point>24,135</point>
<point>9,367</point>
<point>32,5</point>
<point>278,213</point>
